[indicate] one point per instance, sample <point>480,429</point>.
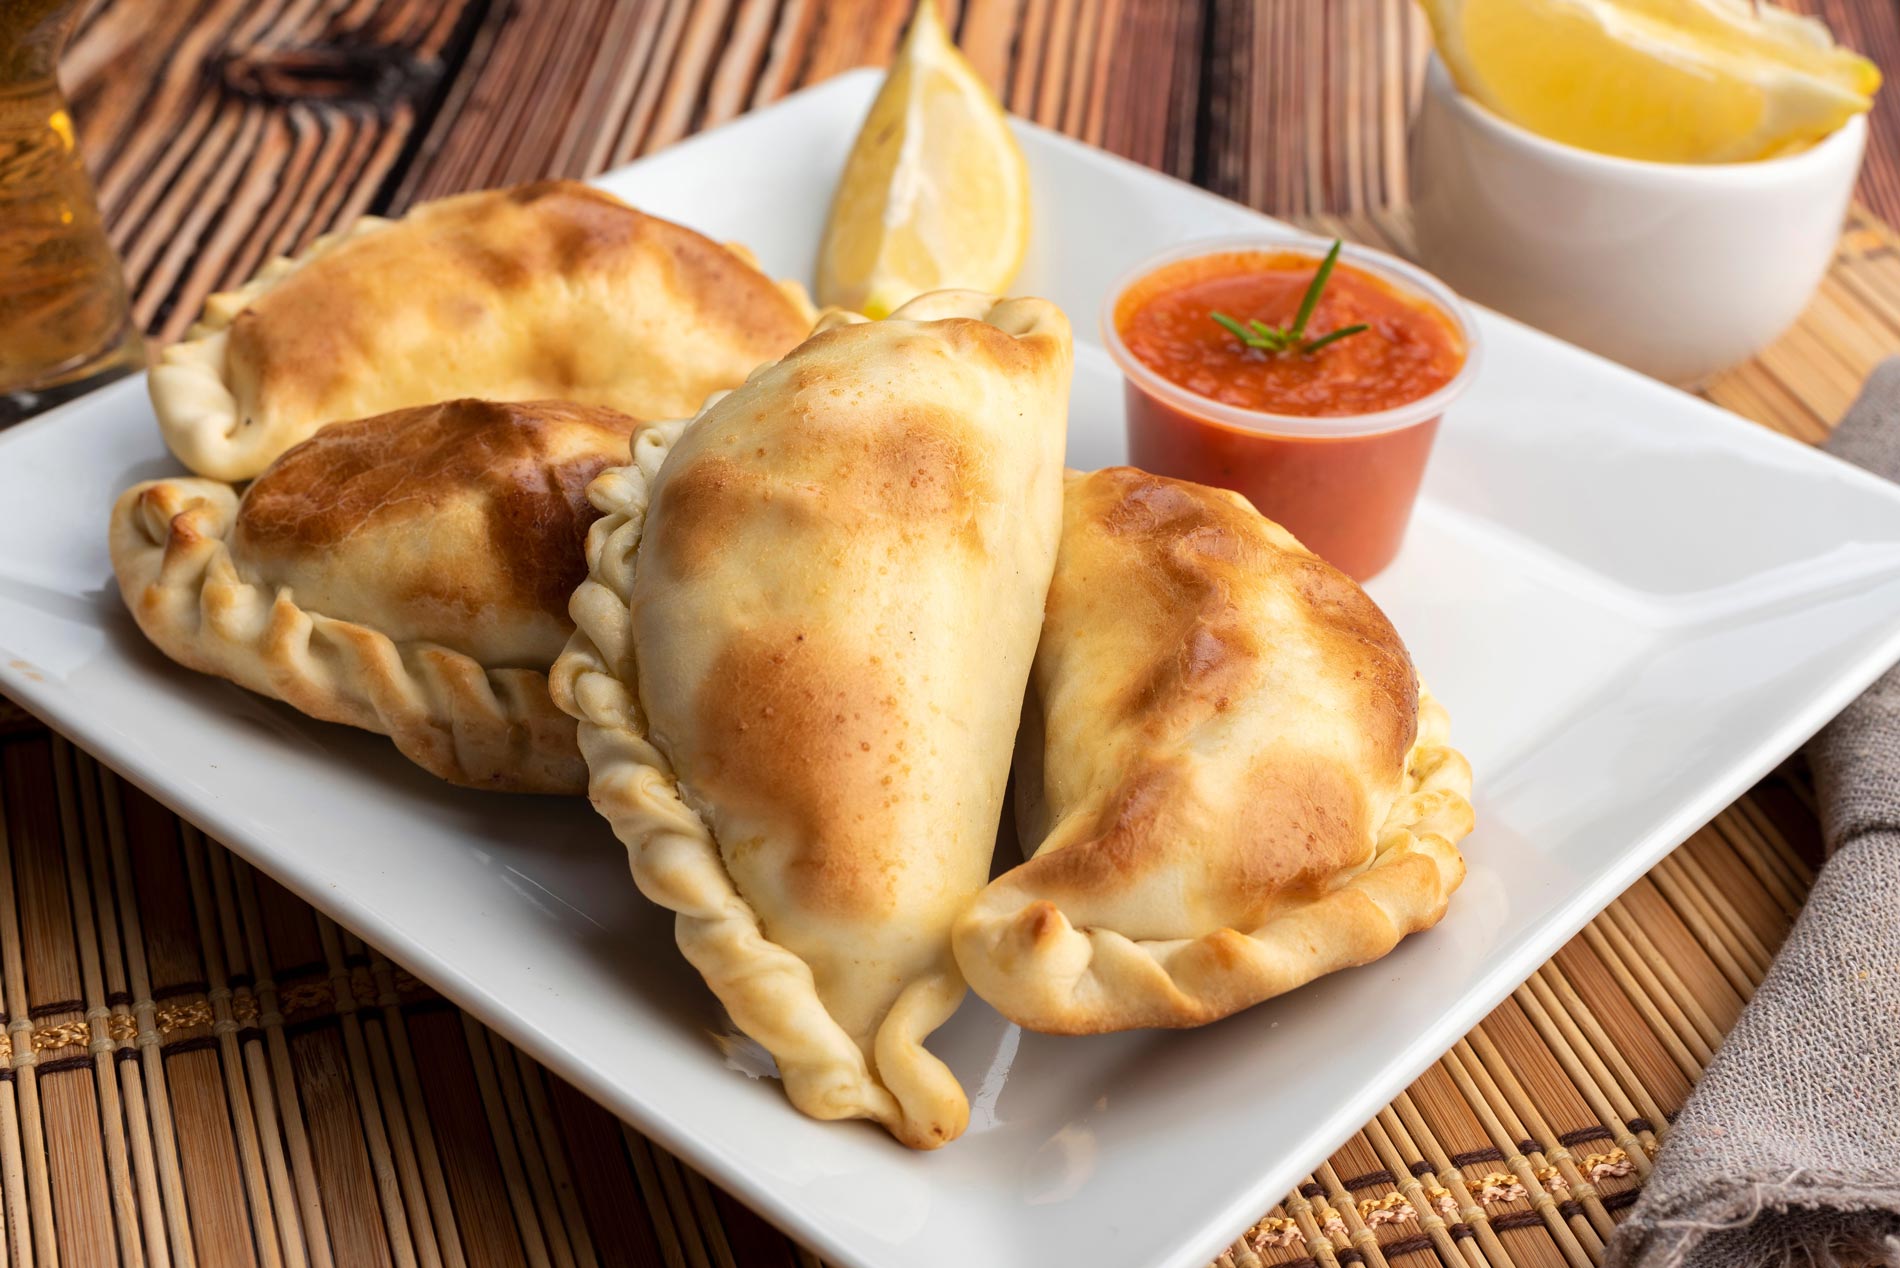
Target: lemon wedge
<point>935,193</point>
<point>1677,81</point>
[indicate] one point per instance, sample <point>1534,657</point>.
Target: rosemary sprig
<point>1277,339</point>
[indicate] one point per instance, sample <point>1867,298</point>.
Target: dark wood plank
<point>225,131</point>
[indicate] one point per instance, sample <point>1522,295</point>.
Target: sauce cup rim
<point>1403,276</point>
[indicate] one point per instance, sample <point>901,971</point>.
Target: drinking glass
<point>65,323</point>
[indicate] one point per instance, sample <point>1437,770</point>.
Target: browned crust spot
<point>914,476</point>
<point>809,741</point>
<point>308,335</point>
<point>1303,824</point>
<point>1197,551</point>
<point>526,464</point>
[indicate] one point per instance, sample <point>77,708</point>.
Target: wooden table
<point>205,1071</point>
<point>224,131</point>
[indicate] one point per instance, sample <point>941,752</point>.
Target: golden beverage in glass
<point>64,319</point>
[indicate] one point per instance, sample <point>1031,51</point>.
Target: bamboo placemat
<point>203,1071</point>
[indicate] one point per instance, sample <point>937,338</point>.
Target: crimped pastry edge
<point>1036,968</point>
<point>494,729</point>
<point>768,991</point>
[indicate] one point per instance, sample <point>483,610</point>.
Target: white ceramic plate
<point>1632,603</point>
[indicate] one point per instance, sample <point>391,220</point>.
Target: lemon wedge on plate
<point>935,192</point>
<point>1677,81</point>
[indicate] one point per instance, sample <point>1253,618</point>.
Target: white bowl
<point>1675,269</point>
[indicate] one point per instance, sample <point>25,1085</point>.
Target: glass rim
<point>1402,276</point>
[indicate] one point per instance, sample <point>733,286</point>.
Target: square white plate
<point>1632,603</point>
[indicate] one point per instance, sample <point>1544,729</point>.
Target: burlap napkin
<point>1788,1153</point>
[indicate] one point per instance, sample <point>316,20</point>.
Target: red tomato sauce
<point>1347,497</point>
<point>1409,351</point>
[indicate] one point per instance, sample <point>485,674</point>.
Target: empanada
<point>407,574</point>
<point>799,665</point>
<point>548,291</point>
<point>1231,778</point>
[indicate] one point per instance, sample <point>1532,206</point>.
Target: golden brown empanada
<point>1231,776</point>
<point>799,665</point>
<point>547,291</point>
<point>407,574</point>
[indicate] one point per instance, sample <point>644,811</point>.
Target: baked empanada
<point>799,665</point>
<point>407,574</point>
<point>1231,777</point>
<point>548,291</point>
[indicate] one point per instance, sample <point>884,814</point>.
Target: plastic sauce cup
<point>1345,484</point>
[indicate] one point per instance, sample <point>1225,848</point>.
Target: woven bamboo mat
<point>202,1070</point>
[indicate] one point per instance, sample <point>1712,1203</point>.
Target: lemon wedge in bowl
<point>1675,81</point>
<point>935,193</point>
